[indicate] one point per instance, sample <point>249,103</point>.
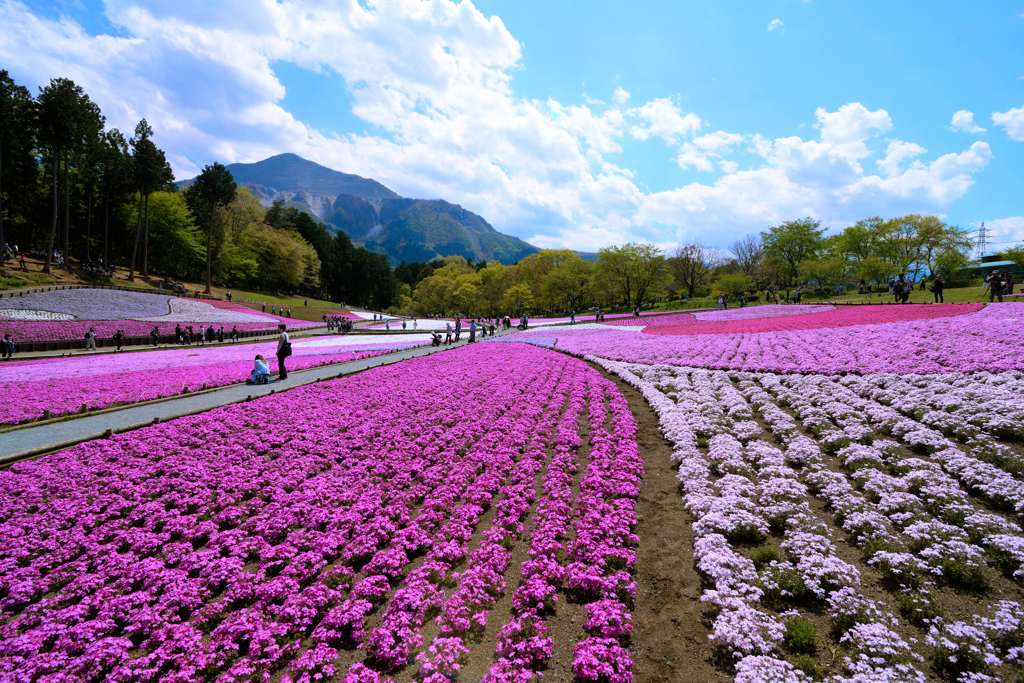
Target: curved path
<point>31,440</point>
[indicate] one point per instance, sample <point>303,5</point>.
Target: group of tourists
<point>337,323</point>
<point>274,310</point>
<point>187,335</point>
<point>999,285</point>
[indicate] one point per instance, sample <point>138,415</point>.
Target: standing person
<point>284,349</point>
<point>937,286</point>
<point>472,331</point>
<point>23,262</point>
<point>458,328</point>
<point>1009,283</point>
<point>8,347</point>
<point>190,335</point>
<point>234,333</point>
<point>220,333</point>
<point>995,286</point>
<point>228,295</point>
<point>403,326</point>
<point>572,317</point>
<point>743,299</point>
<point>177,333</point>
<point>154,335</point>
<point>118,340</point>
<point>90,339</point>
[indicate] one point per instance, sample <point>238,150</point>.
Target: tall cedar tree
<point>212,189</point>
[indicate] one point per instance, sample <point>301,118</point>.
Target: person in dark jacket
<point>7,347</point>
<point>938,284</point>
<point>118,340</point>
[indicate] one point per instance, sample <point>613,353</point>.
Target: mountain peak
<point>372,215</point>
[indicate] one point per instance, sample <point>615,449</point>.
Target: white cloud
<point>1005,232</point>
<point>664,119</point>
<point>775,24</point>
<point>896,153</point>
<point>963,122</point>
<point>432,80</point>
<point>1012,120</point>
<point>703,151</point>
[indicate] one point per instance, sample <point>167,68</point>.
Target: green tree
<point>567,286</point>
<point>17,137</point>
<point>630,274</point>
<point>789,244</point>
<point>690,266</point>
<point>1016,254</point>
<point>115,180</point>
<point>731,285</point>
<point>66,117</point>
<point>212,190</point>
<point>517,299</point>
<point>172,227</point>
<point>151,172</point>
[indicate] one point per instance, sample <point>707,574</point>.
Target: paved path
<point>30,440</point>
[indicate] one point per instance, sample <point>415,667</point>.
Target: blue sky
<point>577,124</point>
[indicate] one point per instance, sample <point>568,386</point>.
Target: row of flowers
<point>313,534</point>
<point>986,340</point>
<point>740,489</point>
<point>34,389</point>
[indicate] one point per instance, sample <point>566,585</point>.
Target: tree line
<point>793,254</point>
<point>71,187</point>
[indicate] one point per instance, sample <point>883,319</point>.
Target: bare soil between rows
<point>670,639</point>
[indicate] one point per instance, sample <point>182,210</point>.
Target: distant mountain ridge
<point>373,215</point>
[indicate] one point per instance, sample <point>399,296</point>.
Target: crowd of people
<point>999,285</point>
<point>337,323</point>
<point>187,335</point>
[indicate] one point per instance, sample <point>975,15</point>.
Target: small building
<point>981,269</point>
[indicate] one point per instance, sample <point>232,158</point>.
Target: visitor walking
<point>995,286</point>
<point>7,347</point>
<point>118,340</point>
<point>220,333</point>
<point>284,349</point>
<point>227,295</point>
<point>234,333</point>
<point>937,286</point>
<point>447,333</point>
<point>90,339</point>
<point>458,328</point>
<point>154,335</point>
<point>472,331</point>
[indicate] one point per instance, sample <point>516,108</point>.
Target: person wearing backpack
<point>284,349</point>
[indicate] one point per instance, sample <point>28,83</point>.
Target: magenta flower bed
<point>988,339</point>
<point>796,317</point>
<point>33,389</point>
<point>313,534</point>
<point>135,313</point>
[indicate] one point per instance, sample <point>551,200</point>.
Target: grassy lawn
<point>954,295</point>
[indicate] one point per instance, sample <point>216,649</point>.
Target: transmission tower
<point>982,243</point>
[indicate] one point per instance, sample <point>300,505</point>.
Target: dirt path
<point>670,640</point>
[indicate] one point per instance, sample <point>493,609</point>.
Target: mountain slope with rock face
<point>372,215</point>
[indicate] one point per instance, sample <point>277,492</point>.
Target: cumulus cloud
<point>664,119</point>
<point>963,122</point>
<point>775,24</point>
<point>1006,232</point>
<point>432,79</point>
<point>1012,121</point>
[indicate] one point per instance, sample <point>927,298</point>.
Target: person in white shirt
<point>284,349</point>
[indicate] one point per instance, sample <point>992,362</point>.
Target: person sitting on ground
<point>435,339</point>
<point>260,371</point>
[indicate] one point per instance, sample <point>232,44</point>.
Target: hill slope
<point>372,215</point>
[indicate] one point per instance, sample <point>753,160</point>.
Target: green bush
<point>801,636</point>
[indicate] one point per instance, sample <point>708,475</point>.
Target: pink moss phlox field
<point>50,387</point>
<point>791,317</point>
<point>763,311</point>
<point>312,534</point>
<point>135,313</point>
<point>988,339</point>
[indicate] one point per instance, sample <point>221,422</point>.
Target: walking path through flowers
<point>49,436</point>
